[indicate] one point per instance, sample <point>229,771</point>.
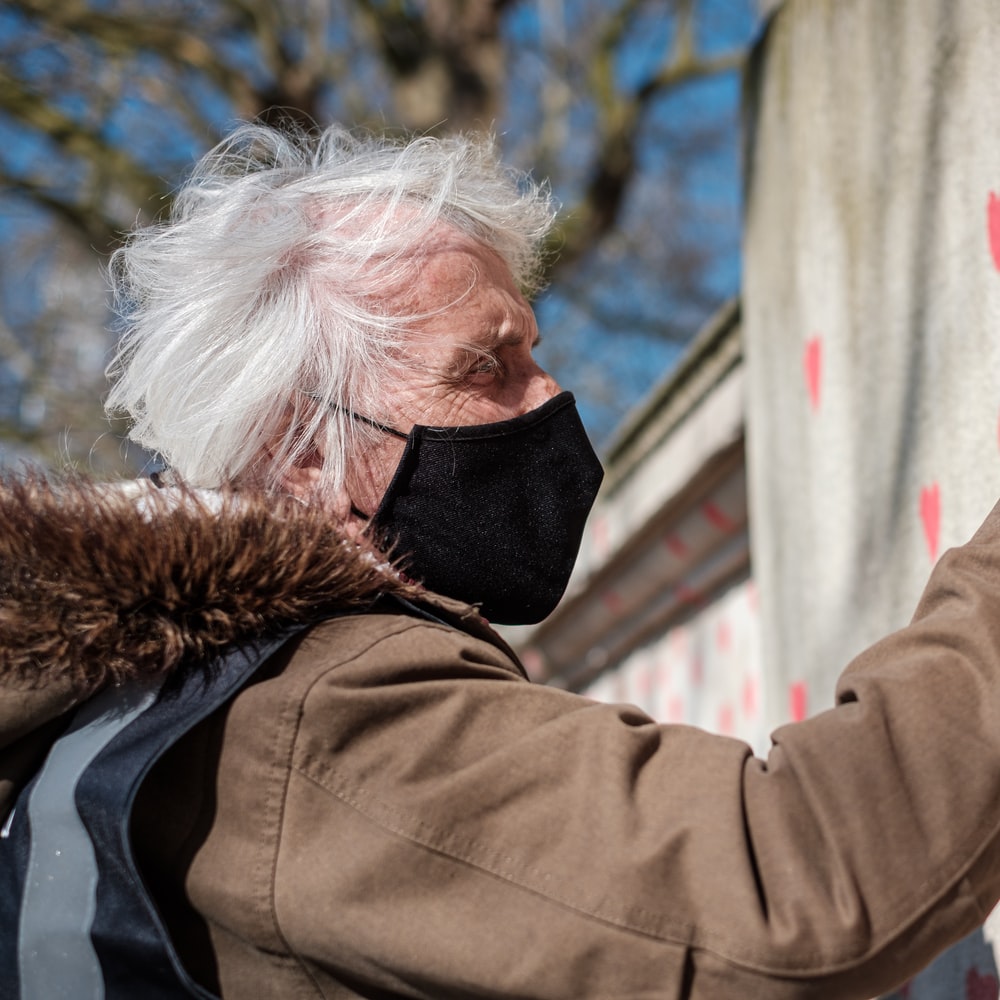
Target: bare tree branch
<point>122,35</point>
<point>115,101</point>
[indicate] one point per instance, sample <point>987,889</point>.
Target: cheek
<point>370,474</point>
<point>524,388</point>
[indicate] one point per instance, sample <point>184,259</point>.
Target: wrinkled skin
<point>468,361</point>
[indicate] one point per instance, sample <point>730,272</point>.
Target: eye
<point>482,368</point>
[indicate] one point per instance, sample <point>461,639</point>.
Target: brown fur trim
<point>103,586</point>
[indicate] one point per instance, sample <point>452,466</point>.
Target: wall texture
<point>871,322</point>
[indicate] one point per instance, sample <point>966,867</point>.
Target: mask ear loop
<point>385,428</point>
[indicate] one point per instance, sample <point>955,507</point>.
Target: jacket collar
<point>106,583</point>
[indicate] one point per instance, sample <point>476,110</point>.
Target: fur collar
<point>107,583</point>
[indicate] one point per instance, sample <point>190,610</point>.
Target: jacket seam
<point>669,930</point>
<point>276,804</point>
<point>433,840</point>
<point>408,624</point>
<point>294,706</point>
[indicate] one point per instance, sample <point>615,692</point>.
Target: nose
<point>540,389</point>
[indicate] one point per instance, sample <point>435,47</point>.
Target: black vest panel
<point>76,921</point>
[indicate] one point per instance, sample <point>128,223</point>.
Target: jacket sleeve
<point>525,841</point>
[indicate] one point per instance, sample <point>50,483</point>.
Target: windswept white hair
<point>256,315</point>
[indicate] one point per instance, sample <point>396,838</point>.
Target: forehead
<point>462,287</point>
<point>452,265</point>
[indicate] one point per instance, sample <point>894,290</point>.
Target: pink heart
<point>798,701</point>
<point>645,683</point>
<point>813,363</point>
<point>677,546</point>
<point>749,697</point>
<point>930,515</point>
<point>601,540</point>
<point>993,225</point>
<point>717,517</point>
<point>612,601</point>
<point>533,662</point>
<point>725,724</point>
<point>723,637</point>
<point>697,672</point>
<point>979,987</point>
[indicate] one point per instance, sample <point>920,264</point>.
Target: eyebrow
<point>490,344</point>
<point>515,334</point>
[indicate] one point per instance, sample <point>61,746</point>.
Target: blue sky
<point>628,359</point>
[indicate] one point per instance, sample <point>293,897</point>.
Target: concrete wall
<point>871,326</point>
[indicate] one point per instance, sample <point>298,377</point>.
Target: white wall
<point>871,326</point>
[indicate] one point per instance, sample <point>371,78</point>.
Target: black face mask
<point>493,514</point>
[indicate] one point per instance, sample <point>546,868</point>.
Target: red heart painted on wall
<point>676,545</point>
<point>612,601</point>
<point>725,723</point>
<point>750,697</point>
<point>645,682</point>
<point>993,225</point>
<point>600,531</point>
<point>717,517</point>
<point>930,515</point>
<point>697,671</point>
<point>812,361</point>
<point>534,663</point>
<point>797,701</point>
<point>981,987</point>
<point>723,637</point>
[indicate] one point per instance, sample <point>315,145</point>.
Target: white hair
<point>256,316</point>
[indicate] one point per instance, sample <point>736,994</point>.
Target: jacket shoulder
<point>382,647</point>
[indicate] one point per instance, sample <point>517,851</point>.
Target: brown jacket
<point>391,809</point>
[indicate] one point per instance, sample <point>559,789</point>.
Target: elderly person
<point>246,753</point>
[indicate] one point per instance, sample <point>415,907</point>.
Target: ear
<point>303,481</point>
